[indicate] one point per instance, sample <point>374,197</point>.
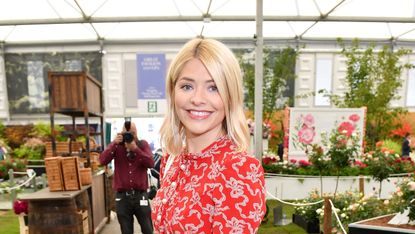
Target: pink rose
<point>346,128</point>
<point>354,117</point>
<point>309,120</point>
<point>306,135</point>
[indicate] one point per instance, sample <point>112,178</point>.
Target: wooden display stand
<point>76,94</point>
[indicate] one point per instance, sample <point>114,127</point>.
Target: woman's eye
<point>213,88</point>
<point>186,87</point>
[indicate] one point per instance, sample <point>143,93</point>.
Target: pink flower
<point>346,128</point>
<point>354,117</point>
<point>304,163</point>
<point>306,135</point>
<point>309,120</point>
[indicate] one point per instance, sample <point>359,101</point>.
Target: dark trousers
<point>128,206</point>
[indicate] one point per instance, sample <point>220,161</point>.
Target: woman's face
<point>198,104</point>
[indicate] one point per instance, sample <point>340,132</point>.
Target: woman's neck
<point>195,144</point>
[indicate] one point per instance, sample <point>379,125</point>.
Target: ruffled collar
<point>208,150</point>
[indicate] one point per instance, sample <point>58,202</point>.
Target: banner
<point>151,72</point>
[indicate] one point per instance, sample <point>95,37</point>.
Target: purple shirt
<point>129,173</point>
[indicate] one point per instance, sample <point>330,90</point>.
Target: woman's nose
<point>198,97</point>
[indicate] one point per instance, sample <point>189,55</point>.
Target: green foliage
<point>353,206</point>
<point>380,166</point>
<point>2,128</point>
<point>30,153</point>
<point>44,131</point>
<point>279,70</point>
<point>403,197</point>
<point>392,146</point>
<point>373,78</point>
<point>309,213</point>
<point>10,163</point>
<point>350,207</point>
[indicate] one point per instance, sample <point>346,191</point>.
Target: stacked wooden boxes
<point>71,173</point>
<point>63,173</point>
<point>62,148</point>
<point>54,173</point>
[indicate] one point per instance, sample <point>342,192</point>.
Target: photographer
<point>131,158</point>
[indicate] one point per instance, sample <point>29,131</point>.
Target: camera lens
<point>128,137</point>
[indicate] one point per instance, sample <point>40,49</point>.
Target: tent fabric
<point>78,21</point>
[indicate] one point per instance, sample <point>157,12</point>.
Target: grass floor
<point>269,228</point>
<point>9,222</point>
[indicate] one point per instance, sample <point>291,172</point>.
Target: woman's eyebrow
<point>185,79</point>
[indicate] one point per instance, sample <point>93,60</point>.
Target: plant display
<point>337,150</point>
<point>380,163</point>
<point>16,135</point>
<point>309,212</point>
<point>369,74</point>
<point>32,149</point>
<point>10,163</point>
<point>20,207</point>
<point>353,206</point>
<point>44,132</point>
<point>270,158</point>
<point>403,198</point>
<point>401,131</point>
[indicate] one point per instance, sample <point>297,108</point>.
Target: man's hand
<point>118,138</point>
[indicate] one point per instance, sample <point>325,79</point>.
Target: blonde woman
<point>209,183</point>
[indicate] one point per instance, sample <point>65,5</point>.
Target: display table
<point>59,212</point>
<point>80,211</point>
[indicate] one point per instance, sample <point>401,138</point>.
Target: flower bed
<point>379,225</point>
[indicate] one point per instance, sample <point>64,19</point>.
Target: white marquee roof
<point>80,21</point>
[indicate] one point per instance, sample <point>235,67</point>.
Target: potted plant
<point>402,199</point>
<point>21,208</point>
<point>306,216</point>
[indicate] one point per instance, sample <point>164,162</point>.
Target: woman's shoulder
<point>239,158</point>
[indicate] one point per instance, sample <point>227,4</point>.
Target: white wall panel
<point>113,85</point>
<point>305,82</point>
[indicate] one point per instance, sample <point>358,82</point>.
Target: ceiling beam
<point>201,18</point>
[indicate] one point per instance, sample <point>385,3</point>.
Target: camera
<point>127,136</point>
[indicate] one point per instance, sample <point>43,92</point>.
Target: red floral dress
<point>216,191</point>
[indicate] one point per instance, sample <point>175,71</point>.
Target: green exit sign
<point>152,106</point>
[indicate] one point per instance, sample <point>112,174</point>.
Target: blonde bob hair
<point>226,73</point>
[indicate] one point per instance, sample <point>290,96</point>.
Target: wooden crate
<point>94,160</point>
<point>86,176</point>
<point>62,148</point>
<point>85,221</point>
<point>68,91</point>
<point>54,173</point>
<point>70,171</point>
